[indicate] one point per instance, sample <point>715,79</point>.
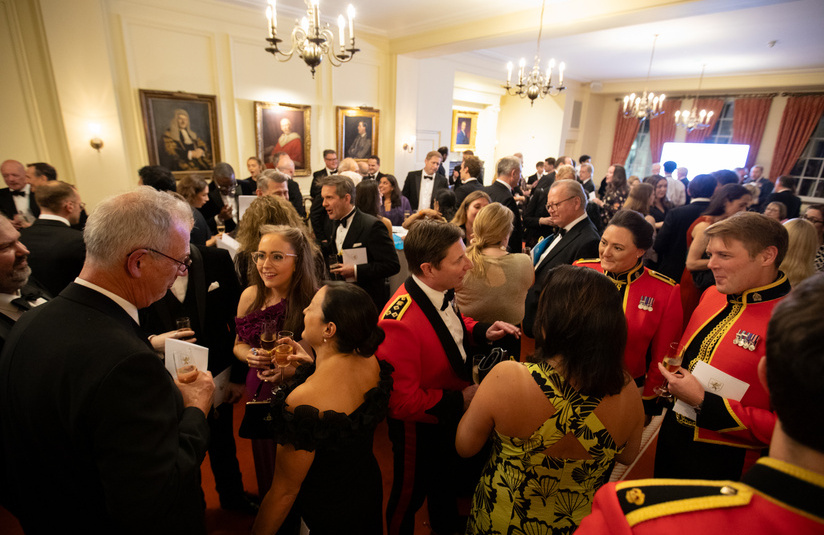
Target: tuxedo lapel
<point>355,232</point>
<point>197,286</point>
<point>450,347</point>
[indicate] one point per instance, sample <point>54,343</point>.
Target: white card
<point>221,383</point>
<point>243,202</point>
<point>199,354</point>
<point>715,381</point>
<point>354,256</point>
<point>229,243</point>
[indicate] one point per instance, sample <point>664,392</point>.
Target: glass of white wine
<point>672,362</point>
<point>221,228</point>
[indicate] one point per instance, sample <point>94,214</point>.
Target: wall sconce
<point>407,146</point>
<point>95,142</point>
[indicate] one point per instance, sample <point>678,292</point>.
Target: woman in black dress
<point>324,421</point>
<point>660,202</point>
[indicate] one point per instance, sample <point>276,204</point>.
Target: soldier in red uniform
<point>652,302</point>
<point>427,342</point>
<point>782,493</point>
<point>722,420</point>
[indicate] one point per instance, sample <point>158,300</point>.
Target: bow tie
<point>561,232</point>
<point>447,298</point>
<point>24,302</point>
<point>429,177</point>
<point>342,221</point>
<point>370,177</point>
<point>21,193</point>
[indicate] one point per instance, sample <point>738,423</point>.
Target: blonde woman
<point>496,286</point>
<point>798,263</point>
<point>468,210</point>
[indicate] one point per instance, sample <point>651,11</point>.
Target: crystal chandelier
<point>536,84</point>
<point>694,120</point>
<point>647,105</point>
<point>311,40</point>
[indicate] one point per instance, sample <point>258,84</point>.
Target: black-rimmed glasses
<point>182,266</point>
<point>554,206</point>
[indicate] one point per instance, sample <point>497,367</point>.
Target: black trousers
<point>223,453</point>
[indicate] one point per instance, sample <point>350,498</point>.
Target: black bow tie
<point>24,302</point>
<point>371,177</point>
<point>342,221</point>
<point>447,298</point>
<point>561,232</point>
<point>21,193</point>
<point>428,177</point>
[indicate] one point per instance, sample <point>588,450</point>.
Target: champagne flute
<point>282,351</point>
<point>268,334</point>
<point>221,228</point>
<point>672,362</point>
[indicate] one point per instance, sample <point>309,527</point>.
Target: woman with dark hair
<point>196,192</point>
<point>157,177</point>
<point>615,194</point>
<point>726,201</point>
<point>393,204</point>
<point>367,200</point>
<point>324,422</point>
<point>445,204</point>
<point>651,301</point>
<point>660,202</point>
<point>283,284</point>
<point>559,423</point>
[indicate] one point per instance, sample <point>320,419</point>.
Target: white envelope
<point>221,383</point>
<point>229,243</point>
<point>354,256</point>
<point>243,202</point>
<point>715,381</point>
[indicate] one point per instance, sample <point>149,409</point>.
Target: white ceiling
<point>600,40</point>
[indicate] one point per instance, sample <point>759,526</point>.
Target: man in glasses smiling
<point>90,406</point>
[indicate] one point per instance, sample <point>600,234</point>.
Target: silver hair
<point>573,188</point>
<point>507,164</point>
<point>591,169</point>
<point>137,219</point>
<point>270,175</point>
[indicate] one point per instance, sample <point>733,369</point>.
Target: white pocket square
<point>214,286</point>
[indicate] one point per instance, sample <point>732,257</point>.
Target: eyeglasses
<point>259,257</point>
<point>554,206</point>
<point>182,266</point>
<point>228,190</point>
<point>814,220</point>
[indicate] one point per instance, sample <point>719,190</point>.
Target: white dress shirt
<point>448,315</point>
<point>425,194</point>
<point>676,191</point>
<point>52,217</point>
<point>558,238</point>
<point>21,203</point>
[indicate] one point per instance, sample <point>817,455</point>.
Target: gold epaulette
<point>648,499</point>
<point>396,310</point>
<point>661,277</point>
<point>587,261</point>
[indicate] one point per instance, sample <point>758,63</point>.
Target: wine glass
<point>221,228</point>
<point>672,362</point>
<point>268,336</point>
<point>183,323</point>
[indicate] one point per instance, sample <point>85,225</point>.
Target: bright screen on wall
<point>704,158</point>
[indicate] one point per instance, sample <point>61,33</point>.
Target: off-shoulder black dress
<point>343,491</point>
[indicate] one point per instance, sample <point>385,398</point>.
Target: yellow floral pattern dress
<point>523,491</point>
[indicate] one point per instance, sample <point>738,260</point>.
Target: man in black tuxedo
<point>421,186</point>
<point>285,165</point>
<point>539,172</point>
<point>330,160</point>
<point>18,293</point>
<point>575,239</point>
<point>766,185</point>
<point>784,192</point>
<point>255,167</point>
<point>470,171</point>
<point>671,241</point>
<point>17,200</point>
<point>56,250</point>
<point>223,203</point>
<point>208,295</point>
<point>373,169</point>
<point>87,407</point>
<point>508,174</point>
<point>349,228</point>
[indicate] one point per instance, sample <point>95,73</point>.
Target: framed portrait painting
<point>181,131</point>
<point>464,129</point>
<point>283,128</point>
<point>357,132</point>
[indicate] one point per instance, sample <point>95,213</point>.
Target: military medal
<point>746,340</point>
<point>646,303</point>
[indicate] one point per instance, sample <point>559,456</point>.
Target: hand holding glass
<point>185,366</point>
<point>283,351</point>
<point>672,362</point>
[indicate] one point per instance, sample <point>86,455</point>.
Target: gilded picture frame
<point>285,128</point>
<point>357,132</point>
<point>464,130</point>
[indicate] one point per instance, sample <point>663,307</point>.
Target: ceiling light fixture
<point>648,105</point>
<point>694,120</point>
<point>311,40</point>
<point>536,84</point>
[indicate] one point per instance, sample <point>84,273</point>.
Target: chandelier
<point>648,105</point>
<point>694,120</point>
<point>311,40</point>
<point>536,84</point>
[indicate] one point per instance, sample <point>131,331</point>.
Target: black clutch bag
<point>482,364</point>
<point>257,420</point>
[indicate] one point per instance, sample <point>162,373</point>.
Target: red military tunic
<point>652,306</point>
<point>773,498</point>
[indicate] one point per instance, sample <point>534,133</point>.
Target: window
<point>722,131</point>
<point>808,169</point>
<point>638,162</point>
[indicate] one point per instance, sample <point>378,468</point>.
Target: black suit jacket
<point>215,204</point>
<point>250,182</point>
<point>545,181</point>
<point>671,241</point>
<point>212,312</point>
<point>56,253</point>
<point>31,288</point>
<point>88,407</point>
<point>500,193</point>
<point>580,242</point>
<point>377,177</point>
<point>412,188</point>
<point>370,232</point>
<point>317,176</point>
<point>296,198</point>
<point>789,199</point>
<point>465,188</point>
<point>8,207</point>
<point>534,211</point>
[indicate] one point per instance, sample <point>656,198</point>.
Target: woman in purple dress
<point>393,204</point>
<point>282,286</point>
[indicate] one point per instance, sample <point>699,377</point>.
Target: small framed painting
<point>357,132</point>
<point>464,129</point>
<point>283,128</point>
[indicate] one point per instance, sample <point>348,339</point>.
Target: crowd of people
<point>658,305</point>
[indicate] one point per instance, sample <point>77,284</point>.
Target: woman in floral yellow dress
<point>559,423</point>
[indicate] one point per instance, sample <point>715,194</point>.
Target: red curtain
<point>625,131</point>
<point>800,118</point>
<point>714,105</point>
<point>748,123</point>
<point>662,128</point>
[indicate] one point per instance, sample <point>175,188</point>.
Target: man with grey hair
<point>585,173</point>
<point>576,238</point>
<point>508,176</point>
<point>273,182</point>
<point>86,404</point>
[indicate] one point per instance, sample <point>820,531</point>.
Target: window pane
<point>813,168</point>
<point>797,168</point>
<point>806,188</point>
<point>726,128</point>
<point>818,148</point>
<point>819,190</point>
